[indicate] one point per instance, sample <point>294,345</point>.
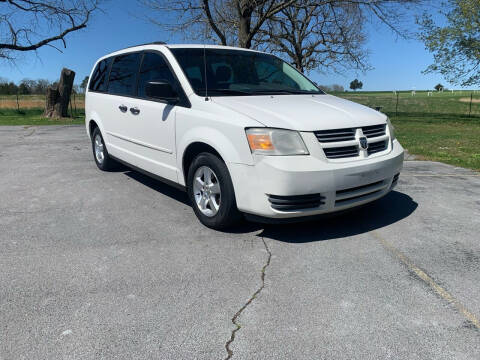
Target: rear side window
<point>123,76</point>
<point>99,77</point>
<point>154,68</point>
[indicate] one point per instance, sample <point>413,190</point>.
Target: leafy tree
<point>8,88</point>
<point>41,86</point>
<point>27,25</point>
<point>355,85</point>
<point>84,83</point>
<point>325,88</point>
<point>456,44</point>
<point>338,88</point>
<point>24,89</point>
<point>439,87</point>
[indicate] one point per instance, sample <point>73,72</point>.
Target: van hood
<point>302,112</point>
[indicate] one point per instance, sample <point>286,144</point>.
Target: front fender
<point>232,149</point>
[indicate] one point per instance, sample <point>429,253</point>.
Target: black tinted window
<point>123,76</point>
<point>154,67</point>
<point>99,77</point>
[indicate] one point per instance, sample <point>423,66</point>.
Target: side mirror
<point>161,90</point>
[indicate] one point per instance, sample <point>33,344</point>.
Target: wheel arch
<point>192,150</point>
<point>92,124</point>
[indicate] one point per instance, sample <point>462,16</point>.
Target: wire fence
<point>34,102</point>
<point>464,103</point>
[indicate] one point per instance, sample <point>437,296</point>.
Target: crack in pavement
<point>239,312</point>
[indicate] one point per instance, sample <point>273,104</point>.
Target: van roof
<point>201,46</point>
<point>161,44</point>
<point>177,46</point>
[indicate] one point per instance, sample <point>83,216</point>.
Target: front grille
<point>359,193</point>
<point>296,202</point>
<point>374,130</point>
<point>341,152</point>
<point>377,147</point>
<point>346,135</point>
<point>326,136</point>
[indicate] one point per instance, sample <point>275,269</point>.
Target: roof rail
<point>150,43</point>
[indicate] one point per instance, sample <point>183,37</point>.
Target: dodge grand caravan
<point>242,131</point>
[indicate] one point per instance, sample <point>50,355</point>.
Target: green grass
<point>448,138</point>
<point>35,117</point>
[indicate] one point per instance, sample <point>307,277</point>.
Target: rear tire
<point>211,192</point>
<point>100,153</point>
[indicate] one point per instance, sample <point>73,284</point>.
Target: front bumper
<point>341,185</point>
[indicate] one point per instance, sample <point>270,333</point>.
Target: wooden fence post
<point>471,100</point>
<point>75,104</point>
<point>396,105</point>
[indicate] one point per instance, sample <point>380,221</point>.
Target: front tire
<point>211,192</point>
<point>100,153</point>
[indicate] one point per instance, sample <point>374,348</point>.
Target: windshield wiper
<point>272,91</point>
<point>226,91</point>
<point>284,91</point>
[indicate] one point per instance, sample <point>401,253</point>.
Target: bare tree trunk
<point>245,10</point>
<point>243,33</point>
<point>52,96</point>
<point>58,98</point>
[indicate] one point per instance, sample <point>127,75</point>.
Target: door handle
<point>123,108</point>
<point>135,111</point>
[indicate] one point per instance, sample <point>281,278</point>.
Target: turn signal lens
<point>260,142</point>
<point>268,141</point>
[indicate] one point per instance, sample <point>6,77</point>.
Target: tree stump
<point>52,96</point>
<point>58,98</point>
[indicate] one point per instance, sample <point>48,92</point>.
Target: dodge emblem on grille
<point>363,143</point>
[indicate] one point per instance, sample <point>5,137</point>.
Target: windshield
<point>240,73</point>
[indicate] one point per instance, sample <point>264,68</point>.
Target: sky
<point>397,63</point>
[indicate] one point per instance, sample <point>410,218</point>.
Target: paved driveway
<point>115,266</point>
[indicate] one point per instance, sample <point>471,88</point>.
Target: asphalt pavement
<point>98,265</point>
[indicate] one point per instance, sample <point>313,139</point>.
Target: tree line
<point>35,87</point>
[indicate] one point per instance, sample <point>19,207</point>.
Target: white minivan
<point>243,132</point>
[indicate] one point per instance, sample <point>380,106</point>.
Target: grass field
<point>437,103</point>
<point>35,117</point>
<point>452,139</point>
<point>436,127</point>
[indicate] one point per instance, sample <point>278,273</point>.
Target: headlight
<point>267,141</point>
<point>391,129</point>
